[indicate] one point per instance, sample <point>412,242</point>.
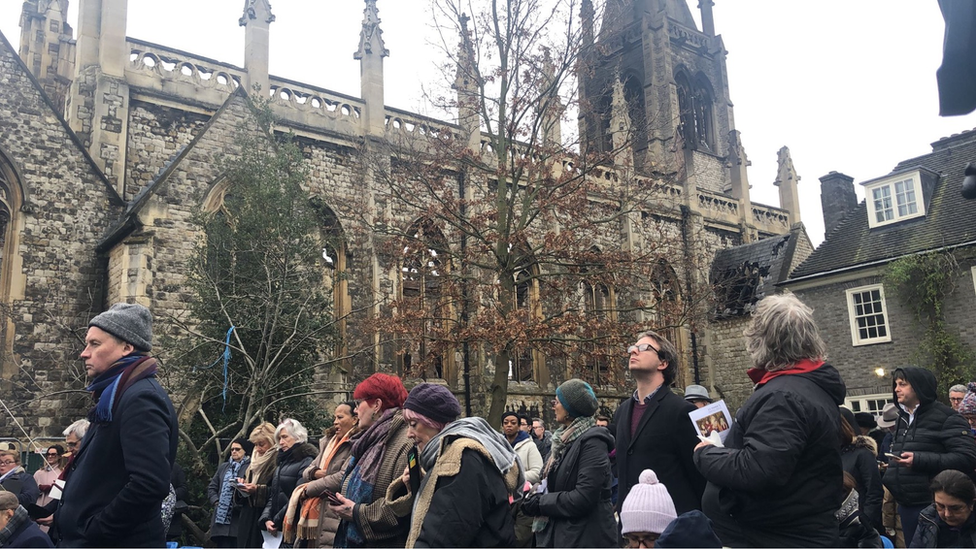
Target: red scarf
<point>761,377</point>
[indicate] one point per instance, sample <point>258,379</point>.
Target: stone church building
<point>108,146</point>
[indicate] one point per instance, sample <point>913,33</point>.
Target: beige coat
<point>328,521</point>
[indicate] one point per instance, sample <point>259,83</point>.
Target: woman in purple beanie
<point>471,475</point>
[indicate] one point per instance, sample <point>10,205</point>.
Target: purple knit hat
<point>433,401</point>
<point>968,405</point>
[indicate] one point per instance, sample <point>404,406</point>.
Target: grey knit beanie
<point>129,322</point>
<point>577,397</point>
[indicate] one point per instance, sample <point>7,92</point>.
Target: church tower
<point>675,91</point>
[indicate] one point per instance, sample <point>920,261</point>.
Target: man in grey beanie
<point>120,473</point>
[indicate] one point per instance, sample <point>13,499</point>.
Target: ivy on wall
<point>922,283</point>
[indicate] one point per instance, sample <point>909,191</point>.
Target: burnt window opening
<point>739,288</point>
<point>421,287</point>
<point>695,112</point>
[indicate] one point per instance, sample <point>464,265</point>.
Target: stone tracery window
<point>12,197</point>
<point>422,280</point>
<point>599,304</point>
<point>696,117</point>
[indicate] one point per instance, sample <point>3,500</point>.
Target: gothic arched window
<point>422,271</point>
<point>634,96</point>
<point>696,118</point>
<point>12,279</point>
<point>599,306</point>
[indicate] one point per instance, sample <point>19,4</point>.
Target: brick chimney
<point>837,199</point>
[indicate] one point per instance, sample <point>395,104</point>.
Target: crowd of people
<point>403,469</point>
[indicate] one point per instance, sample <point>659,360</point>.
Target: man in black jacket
<point>120,474</point>
<point>930,437</point>
<point>779,479</point>
<point>653,430</point>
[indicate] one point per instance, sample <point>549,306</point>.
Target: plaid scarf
<point>108,387</point>
<point>562,439</point>
<point>19,519</point>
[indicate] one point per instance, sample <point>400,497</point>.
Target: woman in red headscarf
<point>379,456</point>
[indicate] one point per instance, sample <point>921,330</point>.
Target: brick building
<point>109,145</point>
<point>916,208</point>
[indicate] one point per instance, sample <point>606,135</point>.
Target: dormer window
<point>894,198</point>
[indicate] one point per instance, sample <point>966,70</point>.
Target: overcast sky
<point>847,85</point>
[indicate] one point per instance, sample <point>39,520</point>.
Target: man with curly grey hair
<point>779,479</point>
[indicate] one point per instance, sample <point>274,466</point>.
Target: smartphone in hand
<point>893,456</point>
<point>331,496</point>
<point>414,465</point>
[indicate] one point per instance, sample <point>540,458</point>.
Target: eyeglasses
<point>951,509</point>
<point>51,454</point>
<point>72,444</point>
<point>8,462</point>
<point>951,399</point>
<point>237,449</point>
<point>641,540</point>
<point>643,348</point>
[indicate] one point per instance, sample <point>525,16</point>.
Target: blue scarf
<point>223,513</point>
<point>109,379</point>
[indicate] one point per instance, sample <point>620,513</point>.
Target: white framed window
<point>868,314</point>
<point>873,404</point>
<point>894,199</point>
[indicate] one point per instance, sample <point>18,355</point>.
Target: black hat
<point>866,420</point>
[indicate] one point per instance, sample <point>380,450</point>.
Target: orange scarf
<point>307,526</point>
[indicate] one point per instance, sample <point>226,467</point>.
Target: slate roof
<point>950,220</point>
<point>742,275</point>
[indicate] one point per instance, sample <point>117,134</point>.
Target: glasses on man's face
<point>956,400</point>
<point>643,347</point>
<point>640,540</point>
<point>72,444</point>
<point>8,462</point>
<point>237,449</point>
<point>51,454</point>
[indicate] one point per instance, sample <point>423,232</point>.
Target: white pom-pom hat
<point>648,507</point>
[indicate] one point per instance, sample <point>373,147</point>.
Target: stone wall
<point>52,276</point>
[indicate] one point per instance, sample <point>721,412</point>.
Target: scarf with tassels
<point>107,389</point>
<point>562,439</point>
<point>308,518</point>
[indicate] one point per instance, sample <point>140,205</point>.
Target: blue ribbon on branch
<point>225,356</point>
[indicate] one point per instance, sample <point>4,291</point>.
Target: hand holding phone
<point>893,456</point>
<point>331,496</point>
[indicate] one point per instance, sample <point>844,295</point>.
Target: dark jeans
<point>909,520</point>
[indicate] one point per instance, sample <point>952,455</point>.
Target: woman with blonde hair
<point>253,485</point>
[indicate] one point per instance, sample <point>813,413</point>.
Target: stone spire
<point>466,84</point>
<point>707,18</point>
<point>587,16</point>
<point>47,46</point>
<point>257,21</point>
<point>371,52</point>
<point>738,161</point>
<point>786,180</point>
<point>552,107</point>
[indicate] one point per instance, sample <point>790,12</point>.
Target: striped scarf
<point>109,386</point>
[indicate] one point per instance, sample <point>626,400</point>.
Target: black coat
<point>939,437</point>
<point>665,441</point>
<point>859,460</point>
<point>23,485</point>
<point>286,477</point>
<point>28,535</point>
<point>213,495</point>
<point>578,498</point>
<point>469,509</point>
<point>929,526</point>
<point>117,482</point>
<point>779,479</point>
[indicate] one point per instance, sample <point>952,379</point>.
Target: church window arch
<point>599,305</point>
<point>13,197</point>
<point>696,117</point>
<point>524,360</point>
<point>634,97</point>
<point>423,273</point>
